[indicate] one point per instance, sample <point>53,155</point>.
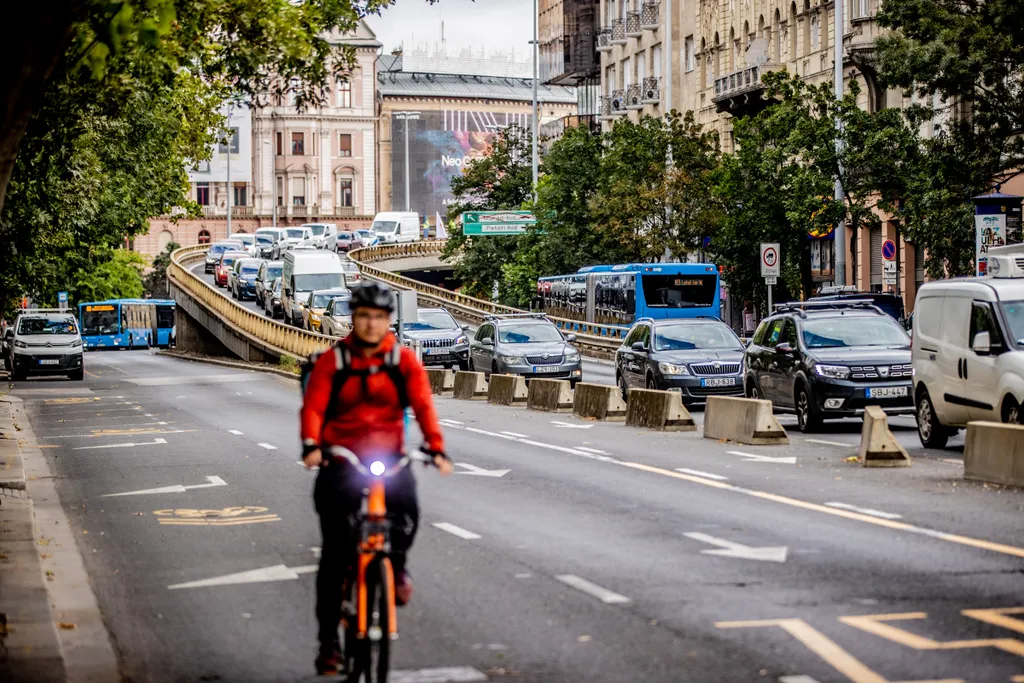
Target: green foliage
<point>155,280</point>
<point>117,277</point>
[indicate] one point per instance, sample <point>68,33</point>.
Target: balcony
<point>241,211</point>
<point>651,90</point>
<point>619,32</point>
<point>633,29</point>
<point>604,40</point>
<point>604,108</point>
<point>650,16</point>
<point>741,93</point>
<point>618,102</point>
<point>634,96</point>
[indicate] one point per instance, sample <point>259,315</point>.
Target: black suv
<point>830,359</point>
<point>698,357</point>
<point>443,340</point>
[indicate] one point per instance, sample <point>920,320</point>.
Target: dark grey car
<point>442,338</point>
<point>528,345</point>
<point>269,271</point>
<point>697,357</point>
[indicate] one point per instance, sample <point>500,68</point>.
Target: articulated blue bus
<point>127,323</point>
<point>619,295</point>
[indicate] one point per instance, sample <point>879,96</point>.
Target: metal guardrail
<point>283,339</point>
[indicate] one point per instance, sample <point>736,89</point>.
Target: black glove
<point>308,448</point>
<point>434,454</point>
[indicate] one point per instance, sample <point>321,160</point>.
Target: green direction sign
<point>497,222</point>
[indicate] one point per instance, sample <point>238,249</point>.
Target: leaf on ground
<point>66,626</point>
<point>853,458</point>
<point>43,541</point>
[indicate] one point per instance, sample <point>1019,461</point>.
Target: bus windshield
<point>100,320</point>
<point>165,317</point>
<point>679,291</point>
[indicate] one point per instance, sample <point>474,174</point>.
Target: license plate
<point>887,392</point>
<point>434,352</point>
<point>718,382</point>
<point>49,361</point>
<point>541,369</point>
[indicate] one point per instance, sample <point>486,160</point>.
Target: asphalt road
<point>582,557</point>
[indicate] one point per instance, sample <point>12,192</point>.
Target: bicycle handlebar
<point>353,459</point>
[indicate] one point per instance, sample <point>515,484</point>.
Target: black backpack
<point>344,372</point>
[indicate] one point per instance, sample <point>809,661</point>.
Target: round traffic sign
<point>770,257</point>
<point>888,250</point>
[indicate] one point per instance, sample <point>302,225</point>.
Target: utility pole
<point>536,46</point>
<point>273,181</point>
<point>668,56</point>
<point>840,236</point>
<point>230,138</point>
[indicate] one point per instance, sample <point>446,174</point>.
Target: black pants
<point>338,495</point>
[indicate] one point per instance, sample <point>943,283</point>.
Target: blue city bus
<point>619,295</point>
<point>126,323</point>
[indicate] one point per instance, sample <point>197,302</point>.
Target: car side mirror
<point>982,343</point>
<point>465,328</point>
<point>639,347</point>
<point>786,348</point>
<point>487,341</point>
<point>571,338</point>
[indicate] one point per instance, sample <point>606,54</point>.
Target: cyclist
<point>356,397</point>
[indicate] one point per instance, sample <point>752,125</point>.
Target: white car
<point>321,233</point>
<point>45,342</point>
<point>291,238</point>
<point>248,242</point>
<point>968,349</point>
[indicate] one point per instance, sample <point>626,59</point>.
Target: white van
<point>303,272</point>
<point>321,231</point>
<point>394,227</point>
<point>968,350</point>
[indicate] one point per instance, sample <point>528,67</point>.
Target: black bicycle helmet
<point>373,295</point>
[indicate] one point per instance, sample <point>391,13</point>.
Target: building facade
<point>567,33</point>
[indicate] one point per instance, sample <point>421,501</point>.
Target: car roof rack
<point>801,307</point>
<point>515,316</point>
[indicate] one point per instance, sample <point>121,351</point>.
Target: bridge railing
<point>281,338</point>
<point>594,337</point>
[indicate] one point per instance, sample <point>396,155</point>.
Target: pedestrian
<point>749,319</point>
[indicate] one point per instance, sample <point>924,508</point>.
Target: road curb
<point>241,365</point>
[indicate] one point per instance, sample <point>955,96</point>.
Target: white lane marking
<point>569,425</point>
<point>447,421</point>
<point>154,442</point>
<point>473,470</point>
<point>107,435</point>
<point>829,443</point>
<point>464,534</point>
<point>161,423</point>
<point>178,488</point>
<point>595,451</point>
<point>235,432</point>
<point>738,550</point>
<point>521,436</point>
<point>267,446</point>
<point>953,461</point>
<point>592,589</point>
<point>699,473</point>
<point>194,379</point>
<point>150,415</point>
<point>753,457</point>
<point>278,572</point>
<point>455,674</point>
<point>798,679</point>
<point>865,511</point>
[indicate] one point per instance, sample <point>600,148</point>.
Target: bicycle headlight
<point>377,468</point>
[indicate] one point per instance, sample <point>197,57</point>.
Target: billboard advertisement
<point>441,144</point>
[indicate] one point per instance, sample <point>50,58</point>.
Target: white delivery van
<point>321,231</point>
<point>303,272</point>
<point>394,227</point>
<point>968,349</point>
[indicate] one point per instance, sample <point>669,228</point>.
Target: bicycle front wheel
<point>372,656</point>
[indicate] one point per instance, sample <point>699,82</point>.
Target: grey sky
<point>497,24</point>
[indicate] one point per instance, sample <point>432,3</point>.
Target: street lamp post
<point>840,236</point>
<point>230,138</point>
<point>273,183</point>
<point>406,116</point>
<point>536,76</point>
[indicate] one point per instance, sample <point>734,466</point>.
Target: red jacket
<point>371,424</point>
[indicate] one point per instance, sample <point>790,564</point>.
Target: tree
<point>155,280</point>
<point>119,277</point>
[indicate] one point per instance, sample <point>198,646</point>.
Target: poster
<point>990,231</point>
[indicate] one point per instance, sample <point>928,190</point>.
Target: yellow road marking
<point>873,623</point>
<point>170,521</point>
<point>192,513</point>
<point>835,512</point>
<point>997,617</point>
<point>1017,679</point>
<point>91,374</point>
<point>69,400</point>
<point>120,432</point>
<point>827,649</point>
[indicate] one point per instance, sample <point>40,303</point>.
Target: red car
<point>220,273</point>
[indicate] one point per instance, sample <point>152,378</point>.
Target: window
<point>280,144</point>
<point>345,94</point>
<point>165,238</point>
<point>656,60</point>
<point>298,144</point>
<point>204,237</point>
<point>774,333</point>
<point>345,145</point>
<point>689,55</point>
<point>641,67</point>
<point>815,32</point>
<point>345,198</point>
<point>679,291</point>
<point>293,90</point>
<point>982,321</point>
<point>627,72</point>
<point>789,335</point>
<point>485,331</point>
<point>299,191</point>
<point>203,194</point>
<point>859,9</point>
<point>280,190</point>
<point>240,195</point>
<point>223,148</point>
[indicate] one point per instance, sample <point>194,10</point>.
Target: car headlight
<point>75,344</point>
<point>572,356</point>
<point>462,340</point>
<point>314,317</point>
<point>832,371</point>
<point>513,360</point>
<point>276,300</point>
<point>20,344</point>
<point>673,369</point>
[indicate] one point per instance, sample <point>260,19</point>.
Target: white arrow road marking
<point>865,511</point>
<point>154,442</point>
<point>753,457</point>
<point>569,425</point>
<point>798,679</point>
<point>457,674</point>
<point>738,550</point>
<point>278,572</point>
<point>464,534</point>
<point>698,473</point>
<point>214,481</point>
<point>592,589</point>
<point>475,471</point>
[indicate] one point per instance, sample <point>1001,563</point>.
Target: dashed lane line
<point>464,534</point>
<point>595,451</point>
<point>699,473</point>
<point>866,511</point>
<point>268,446</point>
<point>235,432</point>
<point>828,443</point>
<point>593,590</point>
<point>522,436</point>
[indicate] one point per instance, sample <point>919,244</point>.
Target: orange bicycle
<point>369,618</point>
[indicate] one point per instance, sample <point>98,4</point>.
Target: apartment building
<point>632,45</point>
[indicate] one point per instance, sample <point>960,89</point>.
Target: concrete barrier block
<point>507,390</point>
<point>742,420</point>
<point>994,453</point>
<point>442,382</point>
<point>878,447</point>
<point>599,402</point>
<point>470,386</point>
<point>550,395</point>
<point>661,410</point>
